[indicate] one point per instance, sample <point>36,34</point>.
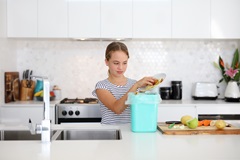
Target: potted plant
<point>231,75</point>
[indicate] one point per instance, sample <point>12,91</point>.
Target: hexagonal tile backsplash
<point>76,66</point>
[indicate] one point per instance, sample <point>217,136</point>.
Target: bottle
<point>57,92</point>
<point>176,90</point>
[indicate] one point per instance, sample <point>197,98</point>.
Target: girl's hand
<point>146,81</point>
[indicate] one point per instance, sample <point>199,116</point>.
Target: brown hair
<point>115,46</point>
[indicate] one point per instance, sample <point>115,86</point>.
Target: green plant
<point>229,72</point>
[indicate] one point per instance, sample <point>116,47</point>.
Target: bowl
<point>160,77</point>
<point>41,98</point>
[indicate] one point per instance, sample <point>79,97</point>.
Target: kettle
<point>232,93</point>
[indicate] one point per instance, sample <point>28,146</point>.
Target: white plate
<point>160,77</point>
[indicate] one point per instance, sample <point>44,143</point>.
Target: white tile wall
<point>76,66</point>
<point>7,62</point>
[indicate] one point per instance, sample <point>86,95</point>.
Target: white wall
<point>7,50</point>
<point>76,66</point>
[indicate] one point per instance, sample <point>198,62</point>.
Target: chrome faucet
<point>45,127</point>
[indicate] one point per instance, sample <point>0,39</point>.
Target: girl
<point>112,92</point>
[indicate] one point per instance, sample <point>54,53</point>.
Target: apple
<point>192,123</point>
<point>185,118</point>
<point>52,94</point>
<point>220,124</point>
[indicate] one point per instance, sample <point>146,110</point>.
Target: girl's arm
<point>118,106</point>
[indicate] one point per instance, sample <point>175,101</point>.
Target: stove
<point>79,101</point>
<point>77,111</point>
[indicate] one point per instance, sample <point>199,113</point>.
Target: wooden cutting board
<point>12,86</point>
<point>210,130</point>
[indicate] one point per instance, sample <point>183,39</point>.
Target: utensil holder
<point>27,91</point>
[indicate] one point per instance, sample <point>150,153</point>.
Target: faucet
<point>45,127</point>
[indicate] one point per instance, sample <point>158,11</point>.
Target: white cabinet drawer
<point>22,18</point>
<point>116,19</point>
<point>218,109</point>
<point>174,113</point>
<point>20,115</point>
<point>84,18</point>
<point>52,18</point>
<point>151,19</point>
<point>225,15</point>
<point>190,18</point>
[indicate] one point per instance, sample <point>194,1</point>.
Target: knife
<point>23,75</point>
<point>30,74</point>
<point>26,74</point>
<point>30,79</point>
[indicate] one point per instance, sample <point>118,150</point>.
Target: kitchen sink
<point>69,134</point>
<point>81,134</point>
<point>19,135</point>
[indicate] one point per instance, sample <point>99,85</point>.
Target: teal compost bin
<point>144,111</point>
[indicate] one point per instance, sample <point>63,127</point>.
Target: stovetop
<point>76,109</point>
<point>79,101</point>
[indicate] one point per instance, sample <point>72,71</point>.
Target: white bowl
<point>160,77</point>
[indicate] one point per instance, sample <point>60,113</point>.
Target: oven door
<point>80,113</point>
<point>78,120</point>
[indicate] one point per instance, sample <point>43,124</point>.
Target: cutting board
<point>12,86</point>
<point>210,130</point>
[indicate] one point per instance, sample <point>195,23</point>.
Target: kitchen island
<point>132,146</point>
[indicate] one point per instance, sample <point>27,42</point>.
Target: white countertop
<point>190,102</point>
<point>198,102</point>
<point>132,146</point>
<point>28,103</point>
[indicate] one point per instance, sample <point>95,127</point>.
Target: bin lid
<point>143,98</point>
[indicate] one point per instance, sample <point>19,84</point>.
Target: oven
<point>77,111</point>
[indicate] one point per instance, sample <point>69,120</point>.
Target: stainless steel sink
<point>70,134</point>
<point>19,135</point>
<point>81,134</point>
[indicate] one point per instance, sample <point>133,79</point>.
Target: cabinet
<point>152,19</point>
<point>124,19</point>
<point>191,18</point>
<point>218,109</point>
<point>37,18</point>
<point>174,113</point>
<point>52,18</point>
<point>22,18</point>
<point>84,18</point>
<point>19,115</point>
<point>116,19</point>
<point>225,15</point>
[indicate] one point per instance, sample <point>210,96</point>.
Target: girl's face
<point>117,63</point>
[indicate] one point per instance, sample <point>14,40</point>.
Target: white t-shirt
<point>108,116</point>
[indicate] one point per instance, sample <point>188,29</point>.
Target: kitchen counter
<point>28,103</point>
<point>163,102</point>
<point>199,102</point>
<point>132,146</point>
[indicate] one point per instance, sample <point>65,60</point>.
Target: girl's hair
<point>115,46</point>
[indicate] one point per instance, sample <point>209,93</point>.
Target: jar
<point>176,89</point>
<point>165,92</point>
<point>57,92</point>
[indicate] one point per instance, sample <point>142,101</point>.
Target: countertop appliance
<point>205,91</point>
<point>77,111</point>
